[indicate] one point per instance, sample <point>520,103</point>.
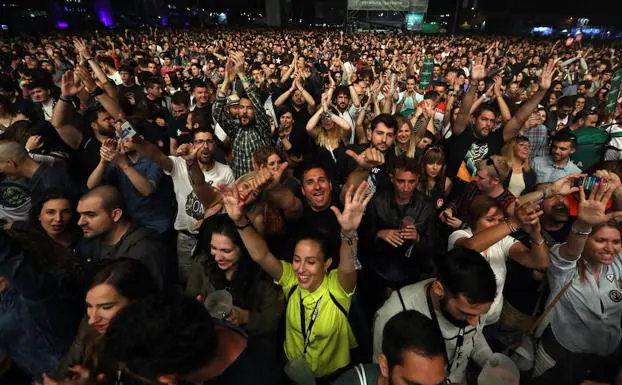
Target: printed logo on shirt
<point>610,277</point>
<point>13,195</point>
<point>615,295</point>
<point>194,207</point>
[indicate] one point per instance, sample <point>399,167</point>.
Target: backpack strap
<point>550,306</point>
<point>291,292</point>
<point>399,295</point>
<point>360,372</point>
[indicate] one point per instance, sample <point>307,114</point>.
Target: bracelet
<point>581,233</point>
<point>349,237</point>
<point>66,99</point>
<point>248,223</point>
<point>510,226</point>
<point>538,243</point>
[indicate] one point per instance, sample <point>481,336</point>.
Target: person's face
<point>221,72</point>
<point>256,74</point>
<point>40,95</point>
<point>410,85</point>
<point>563,111</point>
<point>414,369</point>
<point>424,143</point>
<point>309,264</point>
<point>485,182</point>
<point>103,303</point>
<point>556,209</point>
<point>247,113</point>
<point>433,169</point>
<point>561,151</point>
<point>541,116</point>
<point>151,67</point>
<point>403,134</point>
<point>286,121</point>
<point>581,90</point>
<point>513,88</point>
<point>55,216</point>
<point>591,120</point>
<point>484,123</point>
<point>343,101</point>
<point>155,91</point>
<point>459,310</point>
<point>557,87</point>
<point>531,71</point>
<point>195,71</point>
<point>404,184</point>
<point>211,65</point>
<point>273,162</point>
<point>167,62</point>
<point>382,137</point>
<point>521,150</point>
<point>125,76</point>
<point>579,104</point>
<point>493,217</point>
<point>225,252</point>
<point>47,67</point>
<point>271,69</point>
<point>94,219</point>
<point>298,99</point>
<point>206,140</point>
<point>603,246</point>
<point>317,189</point>
<point>179,110</point>
<point>201,94</point>
<point>105,125</point>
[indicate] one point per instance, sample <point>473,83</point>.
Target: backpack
<point>592,144</point>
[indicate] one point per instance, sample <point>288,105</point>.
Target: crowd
<point>368,219</point>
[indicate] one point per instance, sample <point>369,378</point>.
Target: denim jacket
<point>36,319</point>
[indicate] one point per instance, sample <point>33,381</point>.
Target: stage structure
<point>387,13</point>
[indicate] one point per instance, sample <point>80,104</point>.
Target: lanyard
<point>306,333</point>
<point>460,338</point>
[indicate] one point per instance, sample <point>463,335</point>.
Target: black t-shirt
<point>521,290</point>
<point>462,151</point>
<point>84,159</point>
<point>299,137</point>
<point>177,130</point>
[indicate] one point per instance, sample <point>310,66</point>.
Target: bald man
<point>109,235</point>
<point>40,178</point>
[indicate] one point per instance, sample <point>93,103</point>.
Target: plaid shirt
<point>538,141</point>
<point>245,140</point>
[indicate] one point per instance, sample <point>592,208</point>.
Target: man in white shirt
<point>190,209</point>
<point>457,300</point>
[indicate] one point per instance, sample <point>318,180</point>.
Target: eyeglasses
<point>200,142</point>
<point>490,162</point>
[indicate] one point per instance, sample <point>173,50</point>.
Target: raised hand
<point>547,74</point>
<point>34,142</point>
<point>497,85</point>
<point>82,48</point>
<point>189,151</point>
<point>478,72</point>
<point>527,216</point>
<point>592,210</point>
<point>231,200</point>
<point>427,108</point>
<point>69,86</point>
<point>368,159</point>
<point>565,185</point>
<point>354,207</point>
<point>86,78</point>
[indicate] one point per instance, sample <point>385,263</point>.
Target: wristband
<point>581,233</point>
<point>511,227</point>
<point>539,243</point>
<point>96,92</point>
<point>248,223</point>
<point>66,99</point>
<point>351,237</point>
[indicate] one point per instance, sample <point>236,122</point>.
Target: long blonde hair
<point>330,138</point>
<point>507,151</point>
<point>412,140</point>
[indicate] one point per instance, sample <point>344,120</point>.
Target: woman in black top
<point>521,179</point>
<point>432,180</point>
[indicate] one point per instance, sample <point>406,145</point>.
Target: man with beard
<point>562,117</point>
<point>525,287</point>
<point>557,164</point>
<point>348,106</point>
<point>457,300</point>
<point>177,131</point>
<point>109,235</point>
<point>373,161</point>
<point>409,99</point>
<point>253,129</point>
<point>475,141</point>
<point>190,209</point>
<point>413,352</point>
<point>87,142</point>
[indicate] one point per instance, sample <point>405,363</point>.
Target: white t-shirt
<point>496,255</point>
<point>116,78</point>
<point>189,208</point>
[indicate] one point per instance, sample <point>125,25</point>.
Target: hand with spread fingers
<point>391,236</point>
<point>354,207</point>
<point>592,210</point>
<point>527,216</point>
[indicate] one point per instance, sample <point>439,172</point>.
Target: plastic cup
<point>499,370</point>
<point>219,304</point>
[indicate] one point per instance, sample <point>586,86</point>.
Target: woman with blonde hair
<point>406,139</point>
<point>521,179</point>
